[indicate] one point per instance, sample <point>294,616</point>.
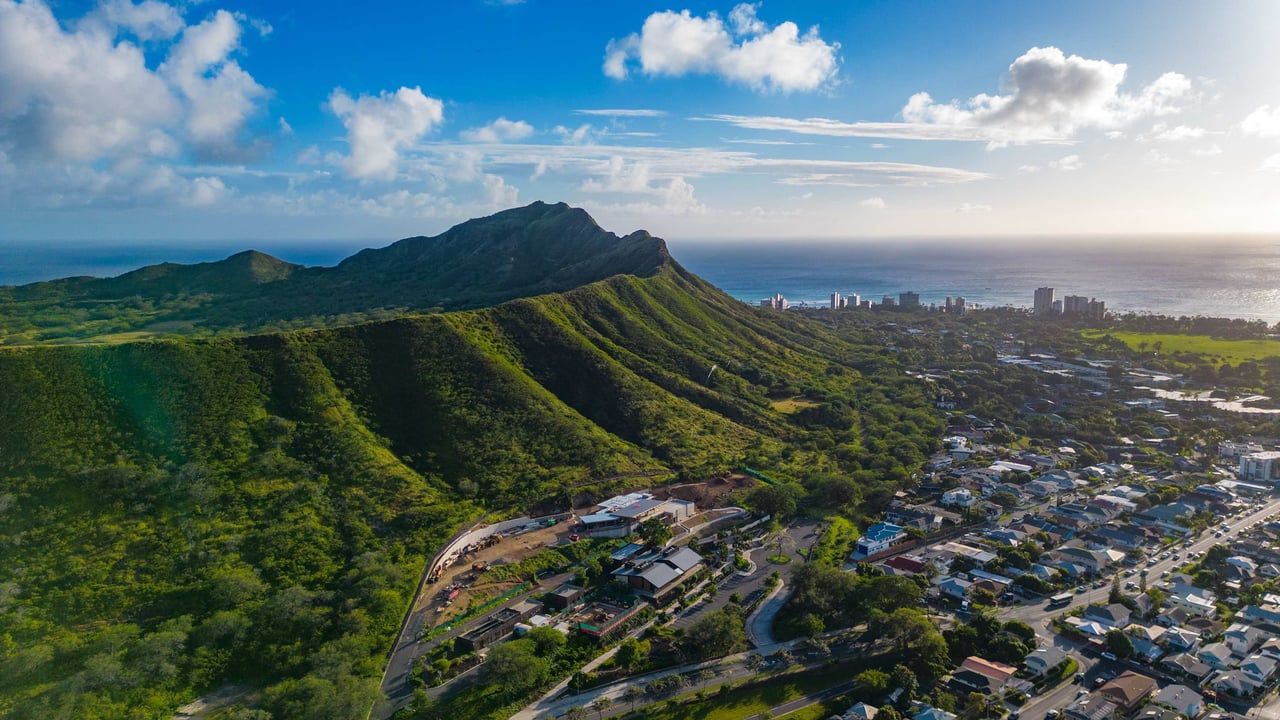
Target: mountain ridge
<point>520,252</point>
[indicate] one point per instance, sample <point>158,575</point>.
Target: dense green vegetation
<point>183,514</point>
<point>518,253</point>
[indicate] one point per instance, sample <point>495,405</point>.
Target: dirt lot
<point>707,494</point>
<point>512,549</point>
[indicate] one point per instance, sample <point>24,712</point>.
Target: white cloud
<point>206,191</point>
<point>500,130</point>
<point>767,142</point>
<point>1263,122</point>
<point>1156,158</point>
<point>972,208</point>
<point>147,20</point>
<point>1051,96</point>
<point>621,112</point>
<point>1028,169</point>
<point>220,94</point>
<point>1271,164</point>
<point>874,203</point>
<point>1208,151</point>
<point>584,134</point>
<point>499,193</point>
<point>746,51</point>
<point>1161,132</point>
<point>380,126</point>
<point>879,146</point>
<point>1067,164</point>
<point>285,127</point>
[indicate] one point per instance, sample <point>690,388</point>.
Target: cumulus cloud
<point>1067,164</point>
<point>1052,95</point>
<point>1208,151</point>
<point>220,94</point>
<point>1049,98</point>
<point>380,126</point>
<point>86,91</point>
<point>1263,122</point>
<point>500,130</point>
<point>585,134</point>
<point>746,50</point>
<point>874,203</point>
<point>499,193</point>
<point>1271,164</point>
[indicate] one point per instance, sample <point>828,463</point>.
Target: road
<point>1038,616</point>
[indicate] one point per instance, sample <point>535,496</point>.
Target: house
<point>1216,655</point>
<point>1043,660</point>
<point>498,625</point>
<point>861,711</point>
<point>1259,668</point>
<point>1173,617</point>
<point>1207,627</point>
<point>657,574</point>
<point>1128,690</point>
<point>954,587</point>
<point>1155,712</point>
<point>959,497</point>
<point>973,681</point>
<point>1181,640</point>
<point>1234,682</point>
<point>904,565</point>
<point>878,538</point>
<point>1261,615</point>
<point>1006,536</point>
<point>1090,707</point>
<point>1186,666</point>
<point>1145,605</point>
<point>1271,648</point>
<point>928,712</point>
<point>1247,567</point>
<point>1242,639</point>
<point>1187,702</point>
<point>619,516</point>
<point>994,670</point>
<point>1114,616</point>
<point>1195,601</point>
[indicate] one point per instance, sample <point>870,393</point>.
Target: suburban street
<point>1038,616</point>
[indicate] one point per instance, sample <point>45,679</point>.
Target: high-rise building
<point>1044,301</point>
<point>1097,309</point>
<point>853,299</point>
<point>888,301</point>
<point>960,306</point>
<point>949,307</point>
<point>1075,305</point>
<point>909,299</point>
<point>835,301</point>
<point>1057,307</point>
<point>777,302</point>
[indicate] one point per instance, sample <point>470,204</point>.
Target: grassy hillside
<point>522,252</point>
<point>181,514</point>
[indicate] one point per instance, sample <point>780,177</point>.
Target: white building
<point>836,301</point>
<point>959,497</point>
<point>878,538</point>
<point>1260,466</point>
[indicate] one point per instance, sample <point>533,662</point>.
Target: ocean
<point>1234,277</point>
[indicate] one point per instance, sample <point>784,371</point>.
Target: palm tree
<point>577,712</point>
<point>602,703</point>
<point>633,695</point>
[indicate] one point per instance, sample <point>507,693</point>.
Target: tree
<point>872,684</point>
<point>777,501</point>
<point>546,641</point>
<point>983,597</point>
<point>515,666</point>
<point>577,712</point>
<point>602,704</point>
<point>654,532</point>
<point>1022,631</point>
<point>812,625</point>
<point>976,705</point>
<point>1005,499</point>
<point>716,634</point>
<point>631,652</point>
<point>903,677</point>
<point>1119,644</point>
<point>632,695</point>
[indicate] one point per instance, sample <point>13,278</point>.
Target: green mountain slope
<point>182,514</point>
<point>522,252</point>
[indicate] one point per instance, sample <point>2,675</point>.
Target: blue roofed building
<point>877,539</point>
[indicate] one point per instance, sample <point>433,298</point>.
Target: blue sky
<point>224,120</point>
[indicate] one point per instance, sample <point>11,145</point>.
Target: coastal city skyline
<point>255,118</point>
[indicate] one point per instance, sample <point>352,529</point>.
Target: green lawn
<point>751,699</point>
<point>1232,351</point>
<point>791,405</point>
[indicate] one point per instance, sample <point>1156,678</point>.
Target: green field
<point>753,699</point>
<point>1231,351</point>
<point>791,405</point>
